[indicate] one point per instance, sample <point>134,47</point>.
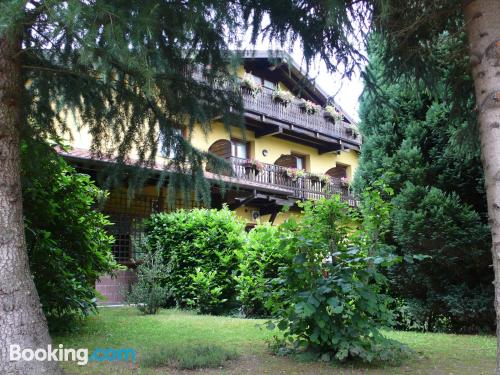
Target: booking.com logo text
<point>80,356</point>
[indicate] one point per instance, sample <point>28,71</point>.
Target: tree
<point>411,142</point>
<point>124,64</point>
<point>68,247</point>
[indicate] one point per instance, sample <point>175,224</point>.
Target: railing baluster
<point>303,187</point>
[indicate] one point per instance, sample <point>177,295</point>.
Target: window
<point>264,82</point>
<point>168,151</point>
<point>239,149</point>
<point>301,161</point>
<point>268,84</point>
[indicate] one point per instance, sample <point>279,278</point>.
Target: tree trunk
<point>482,18</point>
<point>21,318</point>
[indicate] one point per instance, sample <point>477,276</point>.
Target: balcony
<point>277,177</point>
<point>266,116</point>
<point>293,118</point>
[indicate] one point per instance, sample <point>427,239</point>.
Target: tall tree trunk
<point>21,318</point>
<point>482,18</point>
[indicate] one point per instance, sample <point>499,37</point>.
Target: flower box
<point>309,107</point>
<point>282,96</point>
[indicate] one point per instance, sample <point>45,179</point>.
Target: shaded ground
<point>125,327</point>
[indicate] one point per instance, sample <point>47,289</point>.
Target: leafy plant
<point>68,246</point>
<point>255,164</point>
<point>207,294</point>
<point>259,262</point>
<point>198,246</point>
<point>345,181</point>
<point>294,174</point>
<point>331,301</point>
<point>331,112</point>
<point>147,293</point>
<point>309,107</point>
<point>320,177</point>
<point>248,81</point>
<point>282,96</point>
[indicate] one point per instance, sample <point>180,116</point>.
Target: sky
<point>346,91</point>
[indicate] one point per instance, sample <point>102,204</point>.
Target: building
<point>296,145</point>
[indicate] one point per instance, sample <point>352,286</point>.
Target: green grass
<point>173,341</point>
<point>188,357</point>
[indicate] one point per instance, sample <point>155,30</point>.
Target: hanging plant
<point>282,96</point>
<point>248,83</point>
<point>352,130</point>
<point>253,165</point>
<point>309,107</point>
<point>332,113</point>
<point>345,182</point>
<point>319,177</point>
<point>294,174</point>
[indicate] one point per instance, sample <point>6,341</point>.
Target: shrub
<point>68,247</point>
<point>147,293</point>
<point>259,263</point>
<point>198,246</point>
<point>455,280</point>
<point>331,301</point>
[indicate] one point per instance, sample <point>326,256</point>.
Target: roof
<point>281,57</point>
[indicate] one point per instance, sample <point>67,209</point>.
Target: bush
<point>68,247</point>
<point>259,262</point>
<point>147,293</point>
<point>455,280</point>
<point>331,301</point>
<point>199,249</point>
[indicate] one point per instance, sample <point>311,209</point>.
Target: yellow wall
<point>276,147</point>
<point>316,163</point>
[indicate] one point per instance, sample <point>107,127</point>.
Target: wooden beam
<point>273,217</point>
<point>269,131</point>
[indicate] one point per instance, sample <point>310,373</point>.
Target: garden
<point>309,296</point>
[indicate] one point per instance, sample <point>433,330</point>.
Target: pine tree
<point>439,201</point>
<point>123,64</point>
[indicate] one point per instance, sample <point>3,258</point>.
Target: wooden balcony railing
<point>294,114</point>
<point>306,187</point>
<point>263,104</point>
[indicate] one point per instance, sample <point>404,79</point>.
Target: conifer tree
<point>430,157</point>
<point>124,64</point>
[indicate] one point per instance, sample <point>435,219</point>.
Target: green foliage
<point>206,292</point>
<point>331,299</point>
<point>259,262</point>
<point>189,357</point>
<point>147,293</point>
<point>429,155</point>
<point>199,251</point>
<point>68,246</point>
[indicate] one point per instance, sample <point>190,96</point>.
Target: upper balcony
<point>267,116</point>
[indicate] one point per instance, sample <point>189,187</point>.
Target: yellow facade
<point>275,147</point>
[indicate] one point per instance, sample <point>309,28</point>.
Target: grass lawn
<point>240,345</point>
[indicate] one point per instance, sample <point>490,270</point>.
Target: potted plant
<point>345,182</point>
<point>332,114</point>
<point>309,107</point>
<point>252,165</point>
<point>282,96</point>
<point>294,174</point>
<point>321,178</point>
<point>352,131</point>
<point>248,83</point>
